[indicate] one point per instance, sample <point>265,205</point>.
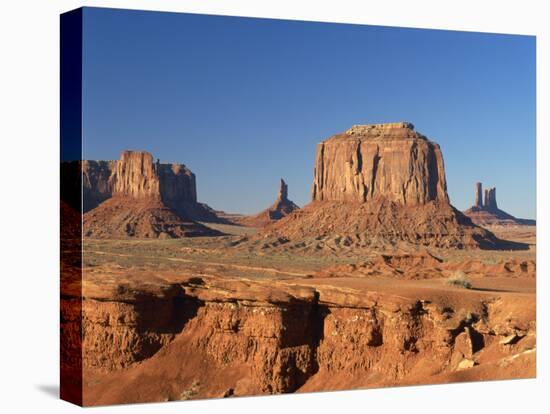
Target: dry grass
<point>191,392</point>
<point>459,279</point>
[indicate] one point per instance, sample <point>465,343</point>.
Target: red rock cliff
<point>381,160</point>
<point>137,175</point>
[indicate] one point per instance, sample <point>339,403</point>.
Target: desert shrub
<point>459,279</point>
<point>191,392</point>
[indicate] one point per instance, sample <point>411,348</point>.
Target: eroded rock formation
<point>213,337</point>
<point>142,198</point>
<point>138,176</point>
<point>383,160</point>
<point>488,213</point>
<point>478,202</point>
<point>490,202</point>
<point>377,185</point>
<point>281,208</point>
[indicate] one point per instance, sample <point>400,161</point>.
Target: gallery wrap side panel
<point>71,206</point>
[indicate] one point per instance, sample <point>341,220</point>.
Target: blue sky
<point>243,102</point>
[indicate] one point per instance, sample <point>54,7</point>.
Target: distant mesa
<point>137,197</point>
<point>378,185</point>
<point>485,210</point>
<point>175,184</point>
<point>281,208</point>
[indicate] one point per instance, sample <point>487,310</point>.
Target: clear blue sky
<point>243,102</point>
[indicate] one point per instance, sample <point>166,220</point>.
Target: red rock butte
<point>380,160</point>
<point>136,197</point>
<point>379,184</point>
<point>137,175</point>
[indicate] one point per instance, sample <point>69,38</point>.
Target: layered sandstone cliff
<point>135,175</point>
<point>377,186</point>
<point>282,207</point>
<point>367,162</point>
<point>215,337</point>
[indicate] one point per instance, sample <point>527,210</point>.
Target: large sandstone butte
<point>175,184</point>
<point>368,162</point>
<point>282,207</point>
<point>377,185</point>
<point>139,198</point>
<point>487,212</point>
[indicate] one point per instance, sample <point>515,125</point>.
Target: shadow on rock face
<point>500,244</point>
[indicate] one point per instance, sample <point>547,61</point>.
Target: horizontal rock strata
<point>372,161</point>
<point>214,337</point>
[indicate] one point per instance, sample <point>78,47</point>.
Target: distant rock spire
<point>478,196</point>
<point>492,205</point>
<point>283,191</point>
<point>490,202</point>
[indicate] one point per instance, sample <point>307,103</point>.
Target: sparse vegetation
<point>459,279</point>
<point>191,392</point>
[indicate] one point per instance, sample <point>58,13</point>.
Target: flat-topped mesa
<point>390,161</point>
<point>136,175</point>
<point>138,197</point>
<point>376,128</point>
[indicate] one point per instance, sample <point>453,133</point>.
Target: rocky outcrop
<point>488,213</point>
<point>383,160</point>
<point>281,208</point>
<point>146,200</point>
<point>377,186</point>
<point>213,337</point>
